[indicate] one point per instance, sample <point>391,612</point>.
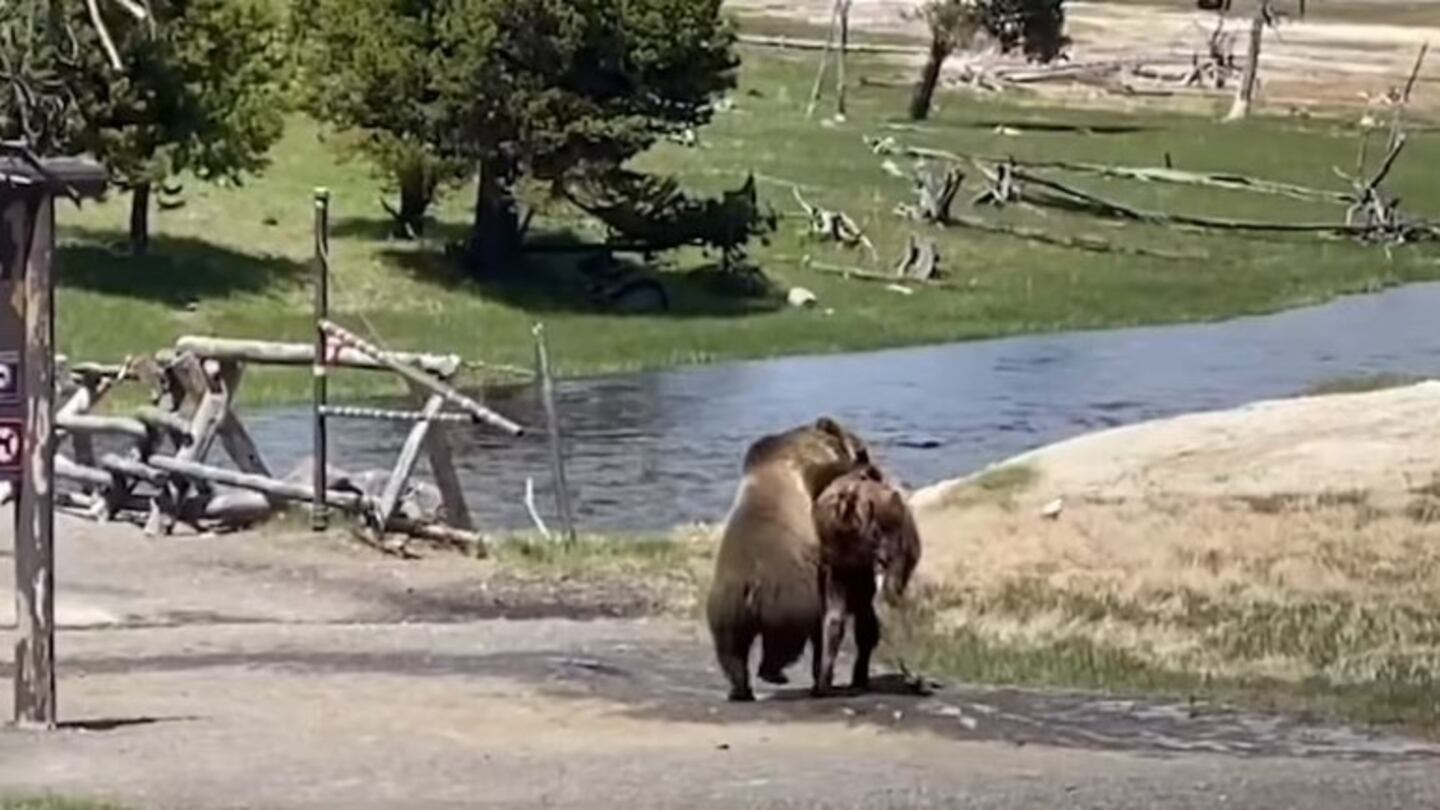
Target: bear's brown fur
<point>867,532</point>
<point>767,569</point>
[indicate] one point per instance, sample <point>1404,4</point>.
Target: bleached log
<point>418,376</point>
<point>114,425</point>
<point>280,489</point>
<point>131,468</point>
<point>83,474</point>
<point>300,354</point>
<point>167,421</point>
<point>800,44</point>
<point>467,541</point>
<point>388,415</point>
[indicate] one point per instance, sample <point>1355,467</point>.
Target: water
<point>651,451</point>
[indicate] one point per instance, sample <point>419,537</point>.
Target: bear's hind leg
<point>781,647</point>
<point>732,648</point>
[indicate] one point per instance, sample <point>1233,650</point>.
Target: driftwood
<point>405,465</point>
<point>284,490</point>
<point>1080,242</point>
<point>131,468</point>
<point>803,44</point>
<point>479,412</point>
<point>834,226</point>
<point>388,415</point>
<point>300,354</point>
<point>111,425</point>
<point>935,192</point>
<point>168,422</point>
<point>921,260</point>
<point>1069,197</point>
<point>1002,189</point>
<point>1150,174</point>
<point>1397,122</point>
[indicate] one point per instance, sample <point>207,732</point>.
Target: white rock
<point>801,297</point>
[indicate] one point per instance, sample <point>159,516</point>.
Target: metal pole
<point>552,423</point>
<point>35,705</point>
<point>319,517</point>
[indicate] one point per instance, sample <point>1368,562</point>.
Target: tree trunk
<point>140,219</point>
<point>1245,93</point>
<point>924,96</point>
<point>495,238</point>
<point>840,79</point>
<point>415,198</point>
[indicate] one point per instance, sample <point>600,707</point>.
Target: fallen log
<point>114,425</point>
<point>1087,243</point>
<point>130,468</point>
<point>266,352</point>
<point>166,421</point>
<point>799,44</point>
<point>1156,174</point>
<point>1120,211</point>
<point>479,412</point>
<point>82,474</point>
<point>284,490</point>
<point>471,543</point>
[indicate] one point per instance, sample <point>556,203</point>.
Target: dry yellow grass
<point>1293,542</point>
<point>1332,588</point>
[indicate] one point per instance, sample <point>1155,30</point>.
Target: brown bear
<point>867,534</point>
<point>766,581</point>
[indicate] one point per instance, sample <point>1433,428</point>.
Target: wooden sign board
<point>12,339</point>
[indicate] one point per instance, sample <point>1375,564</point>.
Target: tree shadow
<point>562,274</point>
<point>177,271</point>
<point>380,229</point>
<point>1058,127</point>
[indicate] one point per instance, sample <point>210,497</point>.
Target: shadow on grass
<point>380,229</point>
<point>554,280</point>
<point>177,271</point>
<point>1057,126</point>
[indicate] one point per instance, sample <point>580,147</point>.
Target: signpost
<point>28,188</point>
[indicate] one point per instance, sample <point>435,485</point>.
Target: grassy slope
<point>233,261</point>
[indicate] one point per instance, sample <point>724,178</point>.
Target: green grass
<point>233,261</point>
<point>1074,663</point>
<point>1399,692</point>
<point>1361,384</point>
<point>54,803</point>
<point>589,555</point>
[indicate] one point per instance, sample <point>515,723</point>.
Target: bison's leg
<point>867,629</point>
<point>732,648</point>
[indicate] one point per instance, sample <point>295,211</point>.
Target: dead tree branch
<point>834,226</point>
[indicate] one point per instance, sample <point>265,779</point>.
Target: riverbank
<point>233,261</point>
<point>1285,554</point>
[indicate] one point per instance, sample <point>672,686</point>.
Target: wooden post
<point>405,465</point>
<point>844,10</point>
<point>552,424</point>
<point>824,61</point>
<point>35,518</point>
<point>319,520</point>
<point>442,467</point>
<point>1245,93</point>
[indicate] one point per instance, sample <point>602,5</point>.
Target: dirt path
<point>1311,62</point>
<point>270,671</point>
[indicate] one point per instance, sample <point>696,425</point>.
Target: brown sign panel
<point>13,216</point>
